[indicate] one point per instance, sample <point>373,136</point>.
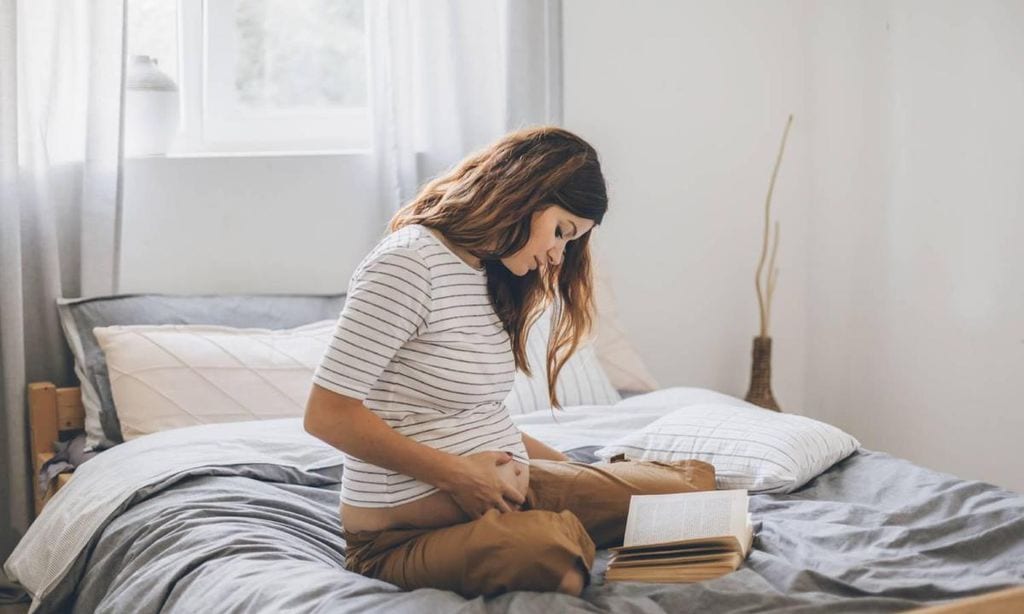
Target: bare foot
<point>572,582</point>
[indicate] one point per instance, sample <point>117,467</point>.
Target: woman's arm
<point>347,424</point>
<point>539,450</point>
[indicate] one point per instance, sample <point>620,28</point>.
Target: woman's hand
<point>480,483</point>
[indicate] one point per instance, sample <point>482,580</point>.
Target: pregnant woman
<point>440,488</point>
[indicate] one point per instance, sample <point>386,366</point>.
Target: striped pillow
<point>750,447</point>
<point>582,381</point>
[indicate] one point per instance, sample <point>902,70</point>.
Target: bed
<point>243,517</point>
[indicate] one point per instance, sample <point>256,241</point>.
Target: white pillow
<point>620,360</point>
<point>170,376</point>
<point>752,448</point>
<point>582,381</point>
<point>682,396</point>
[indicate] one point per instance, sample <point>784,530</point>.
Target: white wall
<point>686,103</point>
<point>916,287</point>
<point>226,224</point>
<point>899,314</point>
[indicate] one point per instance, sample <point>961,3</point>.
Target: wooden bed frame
<point>56,414</point>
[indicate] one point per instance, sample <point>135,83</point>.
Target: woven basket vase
<point>760,392</point>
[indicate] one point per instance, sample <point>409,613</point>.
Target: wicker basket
<point>760,392</point>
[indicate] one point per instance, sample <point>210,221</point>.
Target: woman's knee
<point>693,474</point>
<point>535,533</point>
<point>537,550</point>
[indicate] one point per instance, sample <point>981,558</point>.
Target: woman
<point>440,489</point>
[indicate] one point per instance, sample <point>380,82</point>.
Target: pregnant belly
<point>433,511</point>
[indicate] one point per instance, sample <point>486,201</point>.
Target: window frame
<point>211,124</point>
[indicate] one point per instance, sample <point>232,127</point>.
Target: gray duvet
<point>874,533</point>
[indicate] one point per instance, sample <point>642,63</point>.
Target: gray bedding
<point>875,533</point>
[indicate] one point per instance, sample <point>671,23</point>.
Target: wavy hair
<point>485,205</point>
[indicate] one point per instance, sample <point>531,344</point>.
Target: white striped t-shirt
<point>420,344</point>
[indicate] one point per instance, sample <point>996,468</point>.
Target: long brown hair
<point>485,205</point>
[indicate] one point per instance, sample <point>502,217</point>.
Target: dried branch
<point>762,301</point>
<point>773,277</point>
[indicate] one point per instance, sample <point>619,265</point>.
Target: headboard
<point>55,414</point>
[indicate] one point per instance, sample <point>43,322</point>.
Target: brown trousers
<point>571,509</point>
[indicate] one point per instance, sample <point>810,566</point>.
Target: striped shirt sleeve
<point>387,304</point>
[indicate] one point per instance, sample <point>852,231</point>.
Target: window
<point>261,75</point>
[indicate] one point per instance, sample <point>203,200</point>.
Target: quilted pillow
<point>582,381</point>
<point>751,448</point>
<point>79,316</point>
<point>171,376</point>
<point>617,355</point>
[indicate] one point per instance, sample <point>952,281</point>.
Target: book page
<point>640,553</point>
<point>655,519</point>
<point>677,573</point>
<point>727,543</point>
<point>677,560</point>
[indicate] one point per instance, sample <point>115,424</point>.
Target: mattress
<point>244,518</point>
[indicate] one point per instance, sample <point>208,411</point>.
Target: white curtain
<point>61,84</point>
<point>450,76</point>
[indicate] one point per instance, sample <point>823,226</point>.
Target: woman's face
<point>550,230</point>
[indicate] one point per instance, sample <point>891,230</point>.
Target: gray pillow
<point>79,316</point>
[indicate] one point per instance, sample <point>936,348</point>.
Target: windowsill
<point>252,154</point>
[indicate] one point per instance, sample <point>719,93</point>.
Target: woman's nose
<point>555,256</point>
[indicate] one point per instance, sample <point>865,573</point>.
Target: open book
<point>684,537</point>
